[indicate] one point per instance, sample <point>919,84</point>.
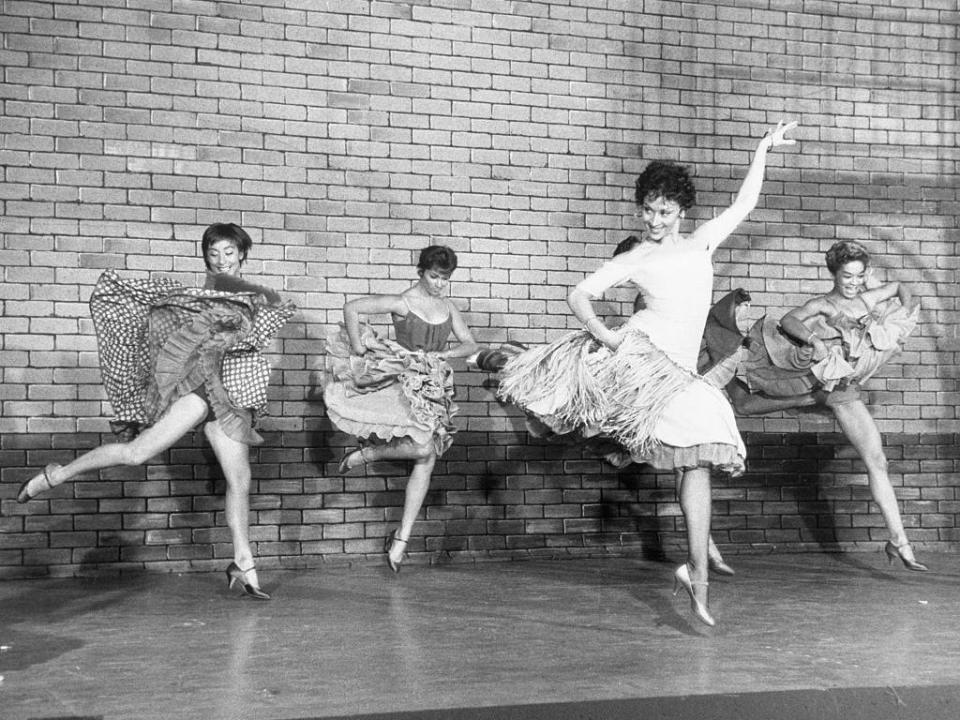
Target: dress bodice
<point>415,333</point>
<point>677,285</point>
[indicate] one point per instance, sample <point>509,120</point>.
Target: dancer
<point>821,353</point>
<point>715,561</point>
<point>396,397</point>
<point>637,385</point>
<point>174,357</point>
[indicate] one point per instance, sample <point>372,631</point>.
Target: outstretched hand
<point>778,137</point>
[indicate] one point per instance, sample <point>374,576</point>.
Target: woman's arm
<point>582,307</point>
<point>468,346</point>
<point>715,231</point>
<point>368,305</point>
<point>794,325</point>
<point>885,292</point>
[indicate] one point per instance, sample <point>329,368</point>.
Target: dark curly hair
<point>437,257</point>
<point>845,251</point>
<point>668,180</point>
<point>226,231</point>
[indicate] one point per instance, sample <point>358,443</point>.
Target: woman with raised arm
<point>637,385</point>
<point>173,358</point>
<point>396,397</point>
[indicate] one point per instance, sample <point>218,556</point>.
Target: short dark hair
<point>845,251</point>
<point>626,245</point>
<point>226,231</point>
<point>438,257</point>
<point>668,180</point>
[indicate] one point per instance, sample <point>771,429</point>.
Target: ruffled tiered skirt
<point>655,411</point>
<point>774,366</point>
<point>159,341</point>
<point>390,392</point>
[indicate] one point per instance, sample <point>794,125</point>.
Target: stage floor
<point>359,640</point>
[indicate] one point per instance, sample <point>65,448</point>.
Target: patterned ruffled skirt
<point>636,397</point>
<point>390,392</point>
<point>159,340</point>
<point>775,366</point>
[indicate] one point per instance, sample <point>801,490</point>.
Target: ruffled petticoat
<point>159,340</point>
<point>636,396</point>
<point>389,392</point>
<point>777,367</point>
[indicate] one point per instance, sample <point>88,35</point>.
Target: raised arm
<point>886,291</point>
<point>715,231</point>
<point>368,305</point>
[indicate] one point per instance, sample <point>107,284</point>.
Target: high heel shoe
<point>24,494</point>
<point>344,467</point>
<point>235,574</point>
<point>717,564</point>
<point>387,545</point>
<point>681,577</point>
<point>894,551</point>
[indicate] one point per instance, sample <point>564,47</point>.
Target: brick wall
<point>346,140</point>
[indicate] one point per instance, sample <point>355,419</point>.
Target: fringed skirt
<point>389,393</point>
<point>637,397</point>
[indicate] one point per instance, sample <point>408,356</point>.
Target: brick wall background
<point>346,139</point>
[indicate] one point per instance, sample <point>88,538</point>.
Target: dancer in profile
<point>820,354</point>
<point>637,385</point>
<point>396,396</point>
<point>173,358</point>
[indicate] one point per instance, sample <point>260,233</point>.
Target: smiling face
<point>661,217</point>
<point>849,279</point>
<point>434,281</point>
<point>224,258</point>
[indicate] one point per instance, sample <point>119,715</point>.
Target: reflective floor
<point>358,640</point>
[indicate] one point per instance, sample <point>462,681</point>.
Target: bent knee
<point>423,452</point>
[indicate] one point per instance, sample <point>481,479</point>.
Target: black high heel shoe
<point>681,577</point>
<point>893,552</point>
<point>235,574</point>
<point>24,494</point>
<point>344,467</point>
<point>387,544</point>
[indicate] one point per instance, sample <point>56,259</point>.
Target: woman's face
<point>223,258</point>
<point>434,281</point>
<point>849,279</point>
<point>661,217</point>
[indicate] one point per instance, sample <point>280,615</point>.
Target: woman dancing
<point>637,385</point>
<point>174,357</point>
<point>821,353</point>
<point>396,397</point>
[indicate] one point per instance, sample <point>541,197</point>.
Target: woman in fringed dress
<point>637,385</point>
<point>173,358</point>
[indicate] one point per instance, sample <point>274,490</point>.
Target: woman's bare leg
<point>173,425</point>
<point>234,459</point>
<point>862,432</point>
<point>714,557</point>
<point>695,502</point>
<point>424,458</point>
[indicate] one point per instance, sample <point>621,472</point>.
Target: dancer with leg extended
<point>396,397</point>
<point>174,357</point>
<point>820,354</point>
<point>637,385</point>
